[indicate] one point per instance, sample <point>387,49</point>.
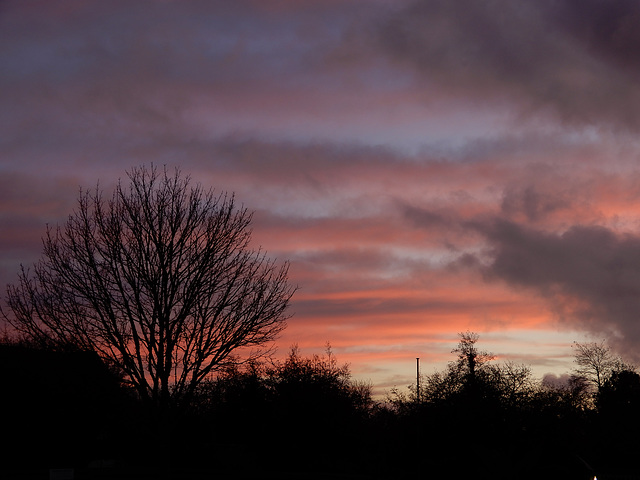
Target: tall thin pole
<point>418,379</point>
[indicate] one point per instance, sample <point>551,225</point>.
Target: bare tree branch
<point>160,281</point>
<point>596,362</point>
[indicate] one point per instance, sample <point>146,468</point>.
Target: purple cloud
<point>590,274</point>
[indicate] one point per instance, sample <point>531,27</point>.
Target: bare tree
<point>596,362</point>
<point>513,382</point>
<point>160,281</point>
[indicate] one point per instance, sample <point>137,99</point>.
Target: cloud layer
<point>575,60</point>
<point>427,166</point>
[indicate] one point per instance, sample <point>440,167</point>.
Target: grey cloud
<point>556,381</point>
<point>576,59</point>
<point>464,41</point>
<point>426,218</point>
<point>101,68</point>
<point>533,203</point>
<point>608,29</point>
<point>589,273</point>
<point>192,42</point>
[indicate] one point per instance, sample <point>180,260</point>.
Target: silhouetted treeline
<point>300,413</point>
<point>477,418</point>
<point>60,407</point>
<point>489,420</point>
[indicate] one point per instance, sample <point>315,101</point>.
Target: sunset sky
<point>427,166</point>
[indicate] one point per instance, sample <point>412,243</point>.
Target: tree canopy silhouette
<point>160,280</point>
<point>596,362</point>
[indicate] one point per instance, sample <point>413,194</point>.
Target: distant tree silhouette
<point>159,280</point>
<point>620,395</point>
<point>469,374</point>
<point>490,420</point>
<point>572,397</point>
<point>596,362</point>
<point>470,360</point>
<point>513,383</point>
<point>616,421</point>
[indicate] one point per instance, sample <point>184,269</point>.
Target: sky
<point>427,167</point>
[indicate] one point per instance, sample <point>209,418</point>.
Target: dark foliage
<point>305,408</point>
<point>305,417</point>
<point>60,407</point>
<point>478,419</point>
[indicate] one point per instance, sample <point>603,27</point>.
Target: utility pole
<point>418,379</point>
